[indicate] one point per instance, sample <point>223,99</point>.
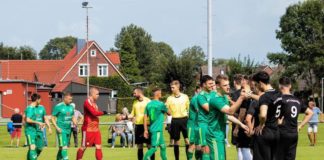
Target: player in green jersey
<point>34,122</point>
<point>192,127</point>
<point>155,111</point>
<point>219,108</point>
<point>62,118</point>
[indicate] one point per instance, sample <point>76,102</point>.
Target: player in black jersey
<point>266,133</point>
<point>288,109</point>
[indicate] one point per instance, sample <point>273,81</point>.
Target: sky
<point>245,27</point>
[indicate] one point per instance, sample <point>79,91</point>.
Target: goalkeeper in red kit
<point>90,129</point>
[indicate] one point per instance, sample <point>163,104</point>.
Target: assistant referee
<point>178,105</point>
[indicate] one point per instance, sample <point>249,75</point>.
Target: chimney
<point>80,44</point>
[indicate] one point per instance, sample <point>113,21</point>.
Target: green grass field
<point>304,151</point>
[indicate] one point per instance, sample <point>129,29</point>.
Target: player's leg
<point>315,132</point>
<point>175,135</point>
<point>204,142</point>
<point>154,143</point>
<point>60,145</point>
<point>139,140</point>
<point>239,154</point>
<point>97,142</point>
<point>31,154</point>
<point>261,148</point>
<point>39,143</point>
<point>65,139</point>
<point>310,134</point>
<point>83,147</point>
<point>292,146</point>
<point>184,131</point>
<point>162,147</point>
<point>191,137</point>
<point>246,152</point>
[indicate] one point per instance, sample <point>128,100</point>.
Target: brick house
<point>53,77</point>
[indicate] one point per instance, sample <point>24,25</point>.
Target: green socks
<point>64,154</point>
<point>149,153</point>
<point>32,155</point>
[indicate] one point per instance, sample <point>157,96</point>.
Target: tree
<point>185,68</point>
<point>17,53</point>
<point>301,32</point>
<point>129,65</point>
<point>247,66</point>
<point>146,50</point>
<point>112,82</point>
<point>57,48</point>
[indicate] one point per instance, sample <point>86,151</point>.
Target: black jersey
<point>269,98</point>
<point>253,110</point>
<point>289,108</point>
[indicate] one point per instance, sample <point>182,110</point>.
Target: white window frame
<point>88,69</point>
<point>98,70</point>
<point>93,51</point>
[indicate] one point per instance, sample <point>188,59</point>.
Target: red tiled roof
<point>26,69</point>
<point>60,86</point>
<point>113,57</point>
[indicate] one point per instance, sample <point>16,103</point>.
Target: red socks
<point>98,154</point>
<point>79,154</point>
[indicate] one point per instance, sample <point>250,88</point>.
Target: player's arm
<point>250,123</point>
<point>29,120</point>
<point>254,96</point>
<point>92,110</point>
<point>203,103</point>
<point>132,114</point>
<point>241,119</point>
<point>308,115</point>
<point>263,114</point>
<point>53,119</point>
<point>236,121</point>
<point>145,126</point>
<point>230,110</point>
<point>47,122</point>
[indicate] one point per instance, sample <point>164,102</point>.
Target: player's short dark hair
<point>155,89</point>
<point>221,77</point>
<point>34,97</point>
<point>65,94</point>
<point>197,87</point>
<point>285,81</point>
<point>138,89</point>
<point>238,78</point>
<point>176,83</point>
<point>261,76</point>
<point>205,78</point>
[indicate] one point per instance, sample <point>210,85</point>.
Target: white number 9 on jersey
<point>293,111</point>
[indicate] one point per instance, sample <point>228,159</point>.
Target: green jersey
<point>30,113</point>
<point>193,111</point>
<point>217,119</point>
<point>155,110</point>
<point>64,114</point>
<point>204,98</point>
<point>40,112</point>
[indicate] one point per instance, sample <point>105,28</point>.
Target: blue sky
<point>245,27</point>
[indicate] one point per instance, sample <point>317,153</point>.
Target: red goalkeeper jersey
<point>91,113</point>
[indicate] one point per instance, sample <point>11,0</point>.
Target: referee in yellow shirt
<point>178,105</point>
<point>137,114</point>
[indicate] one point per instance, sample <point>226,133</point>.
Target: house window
<point>93,53</point>
<point>102,70</point>
<point>83,70</point>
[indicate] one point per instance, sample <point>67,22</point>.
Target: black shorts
<point>265,146</point>
<point>179,125</point>
<point>243,141</point>
<point>139,135</point>
<point>287,145</point>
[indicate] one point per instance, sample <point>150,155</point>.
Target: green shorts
<point>31,138</point>
<point>63,139</point>
<point>39,141</point>
<point>217,149</point>
<point>193,134</point>
<point>202,132</point>
<point>157,139</point>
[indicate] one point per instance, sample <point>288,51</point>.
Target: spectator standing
<point>16,119</point>
<point>74,128</point>
<point>312,127</point>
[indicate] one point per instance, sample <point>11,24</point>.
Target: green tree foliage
<point>129,64</point>
<point>22,52</point>
<point>301,32</point>
<point>185,68</point>
<point>57,48</point>
<point>247,66</point>
<point>113,82</point>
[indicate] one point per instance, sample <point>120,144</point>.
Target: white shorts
<point>312,127</point>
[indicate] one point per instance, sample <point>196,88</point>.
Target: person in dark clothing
<point>16,119</point>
